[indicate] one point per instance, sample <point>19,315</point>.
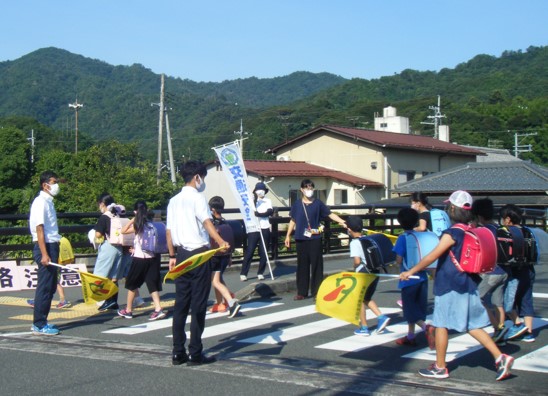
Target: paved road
<point>276,346</point>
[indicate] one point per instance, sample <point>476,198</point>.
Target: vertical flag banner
<point>190,263</point>
<point>96,288</point>
<point>233,167</point>
<point>341,295</point>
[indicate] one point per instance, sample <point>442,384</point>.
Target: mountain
<point>486,93</point>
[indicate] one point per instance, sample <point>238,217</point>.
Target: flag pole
<point>395,276</point>
<point>64,266</point>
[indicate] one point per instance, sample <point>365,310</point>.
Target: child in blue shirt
<point>414,292</point>
<point>355,226</point>
<point>457,305</point>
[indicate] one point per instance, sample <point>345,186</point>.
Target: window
<point>404,176</point>
<point>341,197</point>
<point>384,125</point>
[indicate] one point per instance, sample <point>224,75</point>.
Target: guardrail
<point>16,243</point>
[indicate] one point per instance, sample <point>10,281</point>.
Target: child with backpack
<point>355,226</point>
<point>414,292</point>
<point>457,305</point>
<point>492,285</point>
<point>145,266</point>
<point>524,272</point>
<point>219,262</point>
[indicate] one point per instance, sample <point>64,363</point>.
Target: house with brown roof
<point>349,166</point>
<point>388,158</point>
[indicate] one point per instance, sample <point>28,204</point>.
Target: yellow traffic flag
<point>341,295</point>
<point>96,288</point>
<point>393,238</point>
<point>190,263</point>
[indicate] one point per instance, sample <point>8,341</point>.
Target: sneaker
<point>406,341</point>
<point>138,302</point>
<point>51,326</point>
<point>63,304</point>
<point>433,371</point>
<point>499,334</point>
<point>504,364</point>
<point>430,334</point>
<point>243,278</point>
<point>529,337</point>
<point>218,308</point>
<point>515,331</point>
<point>362,331</point>
<point>157,315</point>
<point>260,277</point>
<point>46,330</point>
<point>382,322</point>
<point>108,305</point>
<point>30,302</point>
<point>400,303</point>
<point>233,311</point>
<point>125,314</point>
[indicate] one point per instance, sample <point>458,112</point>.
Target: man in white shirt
<point>45,235</point>
<point>189,228</point>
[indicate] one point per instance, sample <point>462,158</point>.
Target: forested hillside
<point>482,98</point>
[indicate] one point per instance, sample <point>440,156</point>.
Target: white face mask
<point>54,189</point>
<point>200,184</point>
<point>308,193</point>
<point>260,193</point>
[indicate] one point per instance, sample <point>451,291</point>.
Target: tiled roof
<point>304,170</point>
<point>494,155</point>
<point>387,139</point>
<point>483,177</point>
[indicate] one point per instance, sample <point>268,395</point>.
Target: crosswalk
<point>277,330</point>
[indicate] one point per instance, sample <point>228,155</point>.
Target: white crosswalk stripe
<point>459,346</point>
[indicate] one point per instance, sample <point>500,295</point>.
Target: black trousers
<point>254,240</point>
<point>191,294</point>
<point>309,266</point>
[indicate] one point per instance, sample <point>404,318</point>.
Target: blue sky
<point>214,40</point>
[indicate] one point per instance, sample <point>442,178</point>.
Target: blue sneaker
<point>362,331</point>
<point>515,331</point>
<point>46,330</point>
<point>30,302</point>
<point>529,337</point>
<point>382,322</point>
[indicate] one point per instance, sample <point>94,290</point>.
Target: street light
<point>76,106</point>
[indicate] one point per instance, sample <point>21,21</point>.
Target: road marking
<point>166,323</point>
<point>463,345</point>
<point>534,361</point>
<point>249,323</point>
<point>540,295</point>
<point>292,333</point>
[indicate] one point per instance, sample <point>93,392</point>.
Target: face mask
<point>54,189</point>
<point>260,193</point>
<point>308,193</point>
<point>200,184</point>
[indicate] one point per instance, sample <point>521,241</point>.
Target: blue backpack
<point>440,221</point>
<point>417,245</point>
<point>153,238</point>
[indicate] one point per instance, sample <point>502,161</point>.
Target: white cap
<point>461,199</point>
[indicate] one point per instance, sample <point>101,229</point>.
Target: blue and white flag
<point>233,166</point>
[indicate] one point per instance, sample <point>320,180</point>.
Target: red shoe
<point>406,341</point>
<point>430,334</point>
<point>217,308</point>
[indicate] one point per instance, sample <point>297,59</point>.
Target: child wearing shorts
<point>457,305</point>
<point>414,292</point>
<point>355,226</point>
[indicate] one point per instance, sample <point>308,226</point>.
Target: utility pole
<point>436,117</point>
<point>76,106</point>
<point>241,133</point>
<point>160,129</point>
<point>31,146</point>
<point>170,151</point>
<point>524,148</point>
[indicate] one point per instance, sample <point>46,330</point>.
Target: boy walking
<point>355,227</point>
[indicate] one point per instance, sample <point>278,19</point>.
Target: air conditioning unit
<point>284,158</point>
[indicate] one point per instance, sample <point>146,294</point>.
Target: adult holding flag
<point>189,229</point>
<point>306,214</point>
